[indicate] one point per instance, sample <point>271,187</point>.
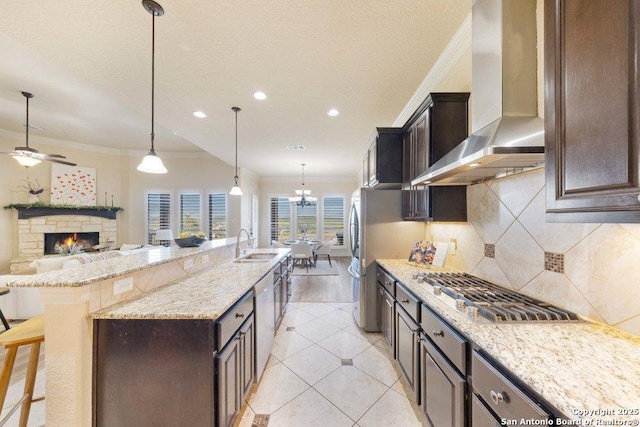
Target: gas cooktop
<point>477,297</point>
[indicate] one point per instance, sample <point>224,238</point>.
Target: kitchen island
<point>71,296</point>
<point>582,369</point>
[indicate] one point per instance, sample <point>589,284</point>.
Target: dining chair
<point>323,250</point>
<point>277,244</point>
<point>302,254</point>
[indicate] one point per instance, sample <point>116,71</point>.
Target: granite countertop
<point>204,295</point>
<point>577,366</point>
<point>112,267</point>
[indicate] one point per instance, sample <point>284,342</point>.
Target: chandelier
<point>302,197</point>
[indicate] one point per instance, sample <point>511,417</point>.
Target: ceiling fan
<point>28,156</point>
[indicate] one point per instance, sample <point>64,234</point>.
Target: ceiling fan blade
<point>57,156</point>
<point>62,162</point>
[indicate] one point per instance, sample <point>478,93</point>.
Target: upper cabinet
<point>382,163</point>
<point>437,126</point>
<point>591,110</point>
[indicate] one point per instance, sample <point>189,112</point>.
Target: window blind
<point>333,219</point>
<point>158,214</point>
<point>280,218</point>
<point>217,215</point>
<point>190,212</point>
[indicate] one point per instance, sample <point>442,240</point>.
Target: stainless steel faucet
<point>249,241</point>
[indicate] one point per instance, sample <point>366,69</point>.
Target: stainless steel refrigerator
<point>376,230</point>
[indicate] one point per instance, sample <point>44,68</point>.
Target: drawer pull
<point>381,291</point>
<point>239,315</point>
<point>439,334</point>
<point>405,301</point>
<point>496,397</point>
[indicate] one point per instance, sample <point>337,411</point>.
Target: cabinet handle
<point>496,397</point>
<point>404,301</point>
<point>239,315</point>
<point>381,292</point>
<point>438,333</point>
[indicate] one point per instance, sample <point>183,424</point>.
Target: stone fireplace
<point>33,225</point>
<point>85,240</point>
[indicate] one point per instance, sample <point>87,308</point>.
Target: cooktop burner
<point>478,297</point>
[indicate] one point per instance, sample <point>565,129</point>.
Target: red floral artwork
<point>73,185</point>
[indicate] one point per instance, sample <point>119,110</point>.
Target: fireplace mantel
<point>26,211</point>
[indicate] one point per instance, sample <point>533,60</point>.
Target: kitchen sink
<point>256,257</point>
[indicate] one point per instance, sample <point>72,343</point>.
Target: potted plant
<point>33,190</point>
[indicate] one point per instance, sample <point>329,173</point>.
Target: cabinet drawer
<point>231,321</point>
<point>500,394</point>
<point>452,344</point>
<point>386,280</point>
<point>480,415</point>
<point>408,301</point>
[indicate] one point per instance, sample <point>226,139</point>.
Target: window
<point>333,219</point>
<point>217,215</point>
<point>280,216</point>
<point>190,212</point>
<point>307,222</point>
<point>158,214</point>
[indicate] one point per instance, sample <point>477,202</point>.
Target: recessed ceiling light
<point>474,165</point>
<point>333,112</point>
<point>199,114</point>
<point>260,95</point>
<point>295,147</point>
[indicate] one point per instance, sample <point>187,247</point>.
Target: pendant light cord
<point>236,176</point>
<point>27,138</point>
<point>153,75</point>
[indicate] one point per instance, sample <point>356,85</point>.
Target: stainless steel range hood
<point>504,98</point>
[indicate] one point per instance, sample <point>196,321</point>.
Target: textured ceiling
<point>89,65</point>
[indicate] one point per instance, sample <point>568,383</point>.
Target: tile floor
<point>324,371</point>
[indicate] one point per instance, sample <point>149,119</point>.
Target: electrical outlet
<point>122,285</point>
<point>454,246</point>
<point>205,259</point>
<point>188,264</point>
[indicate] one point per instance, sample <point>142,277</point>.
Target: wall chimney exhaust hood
<point>504,100</point>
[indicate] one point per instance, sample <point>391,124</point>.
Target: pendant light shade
<point>151,162</point>
<point>236,190</point>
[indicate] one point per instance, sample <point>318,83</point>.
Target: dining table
<point>315,244</point>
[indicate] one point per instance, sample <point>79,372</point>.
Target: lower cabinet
<point>182,372</point>
<point>235,372</point>
<point>386,316</point>
<point>443,389</point>
<point>407,346</point>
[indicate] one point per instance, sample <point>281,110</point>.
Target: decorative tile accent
<point>260,420</point>
<point>489,250</point>
<point>347,362</point>
<point>554,262</point>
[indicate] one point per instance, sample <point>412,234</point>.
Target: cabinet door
<point>365,171</point>
<point>407,174</point>
<point>407,349</point>
<point>443,389</point>
<point>481,416</point>
<point>421,131</point>
<point>373,165</point>
<point>386,319</point>
<point>591,110</point>
<point>229,382</point>
<point>278,307</point>
<point>247,356</point>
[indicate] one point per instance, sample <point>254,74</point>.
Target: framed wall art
<point>73,185</point>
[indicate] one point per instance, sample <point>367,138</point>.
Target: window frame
<point>171,195</point>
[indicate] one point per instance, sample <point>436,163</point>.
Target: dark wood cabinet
<point>591,110</point>
<point>385,316</point>
<point>437,126</point>
<point>151,372</point>
<point>382,164</point>
<point>235,372</point>
<point>406,337</point>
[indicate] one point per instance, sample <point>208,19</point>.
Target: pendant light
<point>151,162</point>
<point>302,197</point>
<point>236,190</point>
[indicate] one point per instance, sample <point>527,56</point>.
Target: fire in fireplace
<point>86,241</point>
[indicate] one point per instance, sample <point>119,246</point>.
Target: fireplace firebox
<point>86,240</point>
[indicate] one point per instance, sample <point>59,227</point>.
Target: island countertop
<point>577,367</point>
<point>204,295</point>
<point>105,269</point>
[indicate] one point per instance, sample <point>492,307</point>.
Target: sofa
<point>24,303</point>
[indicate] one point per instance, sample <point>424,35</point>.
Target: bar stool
<point>30,332</point>
<point>4,291</point>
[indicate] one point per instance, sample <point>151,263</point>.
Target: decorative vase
<point>32,198</point>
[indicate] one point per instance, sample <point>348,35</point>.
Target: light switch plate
<point>122,285</point>
<point>205,258</point>
<point>453,249</point>
<point>188,264</point>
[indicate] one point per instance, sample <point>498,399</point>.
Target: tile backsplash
<point>600,280</point>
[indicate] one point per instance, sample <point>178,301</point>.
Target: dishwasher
<point>265,321</point>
